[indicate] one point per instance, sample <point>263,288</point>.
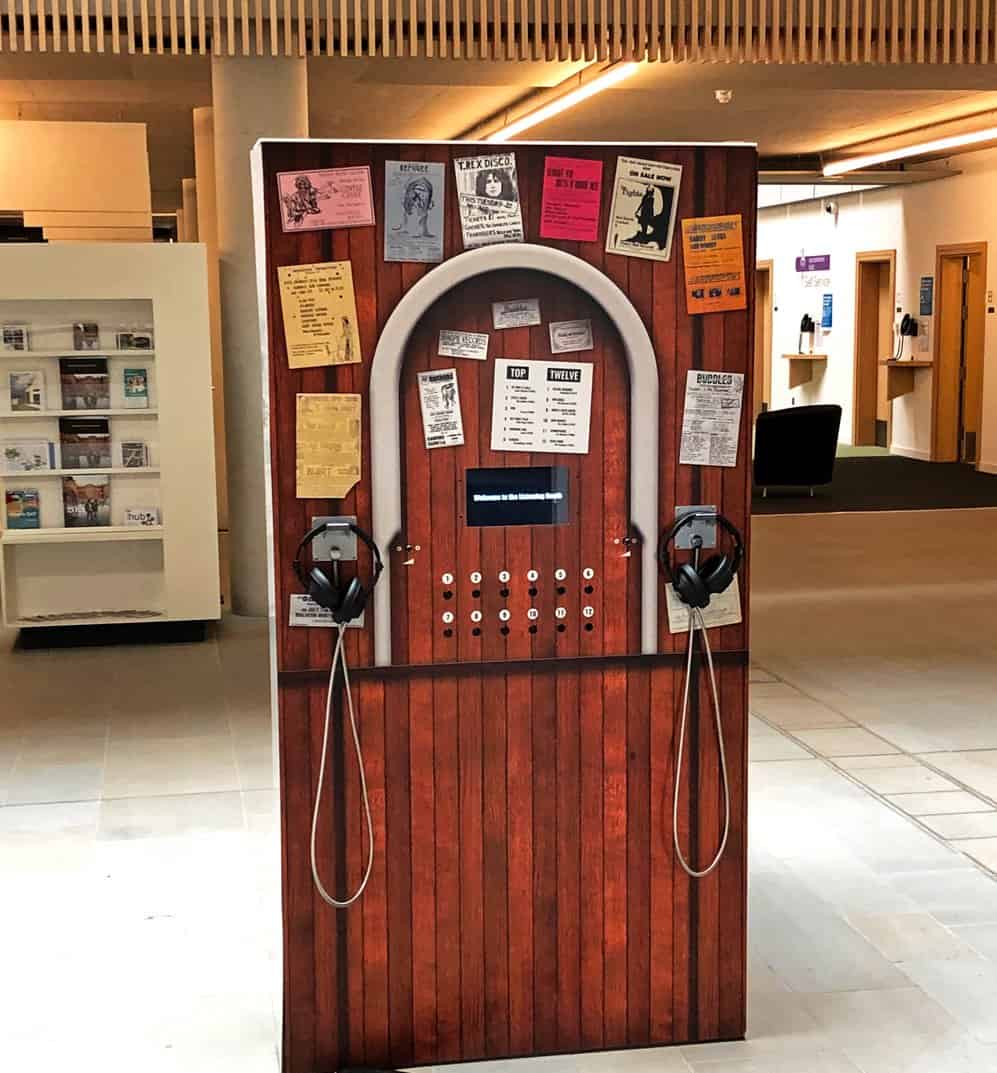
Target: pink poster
<point>334,197</point>
<point>571,198</point>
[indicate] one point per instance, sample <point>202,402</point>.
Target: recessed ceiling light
<point>617,73</point>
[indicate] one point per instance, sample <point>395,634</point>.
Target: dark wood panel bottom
<point>525,898</point>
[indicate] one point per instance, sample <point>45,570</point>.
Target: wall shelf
<point>115,573</point>
<point>29,414</point>
<point>801,367</point>
<point>83,535</point>
<point>116,471</point>
<point>900,374</point>
<point>25,356</point>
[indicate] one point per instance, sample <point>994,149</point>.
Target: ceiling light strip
<point>936,145</point>
<point>610,77</point>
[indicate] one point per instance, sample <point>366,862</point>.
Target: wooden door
<point>874,297</point>
<point>948,363</point>
<point>957,390</point>
<point>434,513</point>
<point>762,394</point>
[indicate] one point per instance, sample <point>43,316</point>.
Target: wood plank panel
<point>527,898</point>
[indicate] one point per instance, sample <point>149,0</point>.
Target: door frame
<point>865,256</point>
<point>765,317</point>
<point>957,249</point>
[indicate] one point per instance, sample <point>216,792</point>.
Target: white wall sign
<point>454,344</point>
<point>439,400</point>
<point>567,336</point>
<point>541,406</point>
<point>517,314</point>
<point>712,418</point>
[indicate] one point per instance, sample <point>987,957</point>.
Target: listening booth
<point>509,476</point>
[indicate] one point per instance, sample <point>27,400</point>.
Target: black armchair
<point>795,448</point>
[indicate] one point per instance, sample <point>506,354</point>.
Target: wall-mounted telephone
<point>908,328</point>
<point>346,603</point>
<point>695,585</point>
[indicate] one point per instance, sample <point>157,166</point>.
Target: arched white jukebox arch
<point>385,408</point>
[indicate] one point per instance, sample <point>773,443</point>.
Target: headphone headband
<point>664,555</point>
<point>323,527</point>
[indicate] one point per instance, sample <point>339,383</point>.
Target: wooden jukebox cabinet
<point>516,350</point>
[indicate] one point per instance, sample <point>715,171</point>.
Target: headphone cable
<point>339,657</point>
<point>696,615</point>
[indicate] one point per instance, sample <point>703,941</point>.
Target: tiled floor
<point>136,820</point>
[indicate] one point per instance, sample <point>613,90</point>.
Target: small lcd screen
<point>522,495</point>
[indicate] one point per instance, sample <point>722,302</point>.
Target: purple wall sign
<point>818,262</point>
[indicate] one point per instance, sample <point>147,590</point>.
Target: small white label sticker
<point>447,617</point>
<point>588,573</point>
<point>532,575</point>
<point>475,577</point>
<point>454,344</point>
<point>447,579</point>
<point>475,616</point>
<point>533,614</point>
<point>560,575</point>
<point>588,611</point>
<point>567,336</point>
<point>561,612</point>
<point>305,612</point>
<point>505,614</point>
<point>517,314</point>
<point>724,609</point>
<point>504,576</point>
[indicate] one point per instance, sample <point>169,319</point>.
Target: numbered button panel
<point>535,602</point>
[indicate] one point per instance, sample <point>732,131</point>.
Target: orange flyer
<point>713,248</point>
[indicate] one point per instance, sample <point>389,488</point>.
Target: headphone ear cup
<point>322,590</point>
<point>716,573</point>
<point>689,586</point>
<point>353,602</point>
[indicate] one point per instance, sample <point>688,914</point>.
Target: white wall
<point>913,220</point>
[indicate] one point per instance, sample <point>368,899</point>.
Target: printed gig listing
<point>541,406</point>
<point>712,418</point>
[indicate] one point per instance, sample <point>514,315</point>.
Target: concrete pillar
<point>207,230</point>
<point>188,189</point>
<point>253,97</point>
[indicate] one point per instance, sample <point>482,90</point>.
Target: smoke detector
<point>723,96</point>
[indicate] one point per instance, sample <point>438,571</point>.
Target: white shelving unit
<point>113,573</point>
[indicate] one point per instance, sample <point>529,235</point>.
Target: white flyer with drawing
<point>541,406</point>
<point>454,344</point>
<point>439,399</point>
<point>712,418</point>
<point>488,198</point>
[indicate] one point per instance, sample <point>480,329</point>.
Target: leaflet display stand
<point>517,685</point>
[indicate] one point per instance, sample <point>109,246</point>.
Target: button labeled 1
<point>447,579</point>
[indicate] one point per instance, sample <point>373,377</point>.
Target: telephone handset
<point>695,585</point>
<point>346,605</point>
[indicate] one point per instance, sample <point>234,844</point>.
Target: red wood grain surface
<point>525,897</point>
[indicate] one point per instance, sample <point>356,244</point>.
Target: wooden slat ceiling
<point>743,31</point>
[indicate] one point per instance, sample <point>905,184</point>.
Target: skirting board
<point>910,452</point>
<point>987,467</point>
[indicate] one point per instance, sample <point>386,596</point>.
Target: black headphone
<point>325,590</point>
<point>695,585</point>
